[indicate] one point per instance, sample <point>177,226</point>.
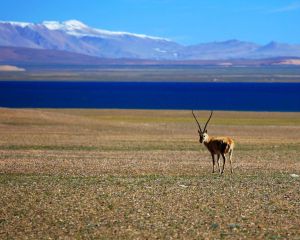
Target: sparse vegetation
<point>110,174</point>
<point>208,72</point>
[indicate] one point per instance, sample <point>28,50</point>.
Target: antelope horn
<point>211,113</point>
<point>196,120</point>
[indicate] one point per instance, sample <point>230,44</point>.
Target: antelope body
<point>216,145</point>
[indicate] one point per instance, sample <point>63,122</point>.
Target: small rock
<point>294,175</point>
<point>183,186</point>
<point>233,226</point>
<point>214,226</point>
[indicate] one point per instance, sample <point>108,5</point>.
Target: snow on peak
<point>111,33</point>
<point>52,25</point>
<point>75,24</point>
<point>79,29</point>
<point>66,25</point>
<point>20,24</point>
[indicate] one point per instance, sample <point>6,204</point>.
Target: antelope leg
<point>213,162</point>
<point>224,160</point>
<point>218,162</point>
<point>230,156</point>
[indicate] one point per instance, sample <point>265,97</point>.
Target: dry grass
<point>142,174</point>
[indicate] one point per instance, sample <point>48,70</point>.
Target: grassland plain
<point>156,73</point>
<point>134,174</point>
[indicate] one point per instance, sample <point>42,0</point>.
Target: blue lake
<point>154,95</point>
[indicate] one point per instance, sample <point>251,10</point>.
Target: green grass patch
<point>48,147</point>
<point>117,146</point>
<point>272,147</point>
<point>135,146</point>
<point>216,121</point>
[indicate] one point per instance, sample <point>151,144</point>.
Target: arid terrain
<point>155,72</point>
<point>135,174</point>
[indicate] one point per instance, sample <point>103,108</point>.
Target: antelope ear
<point>199,131</point>
<point>205,130</point>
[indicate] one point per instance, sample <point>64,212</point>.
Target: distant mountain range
<point>77,42</point>
<point>20,56</point>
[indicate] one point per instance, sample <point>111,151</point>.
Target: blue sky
<point>184,21</point>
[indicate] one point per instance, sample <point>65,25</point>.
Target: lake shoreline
<point>278,97</point>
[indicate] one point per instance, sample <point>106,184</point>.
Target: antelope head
<point>203,136</point>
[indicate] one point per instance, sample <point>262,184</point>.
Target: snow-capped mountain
<point>77,28</point>
<point>75,36</point>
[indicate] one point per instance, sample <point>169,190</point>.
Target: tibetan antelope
<point>216,145</point>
